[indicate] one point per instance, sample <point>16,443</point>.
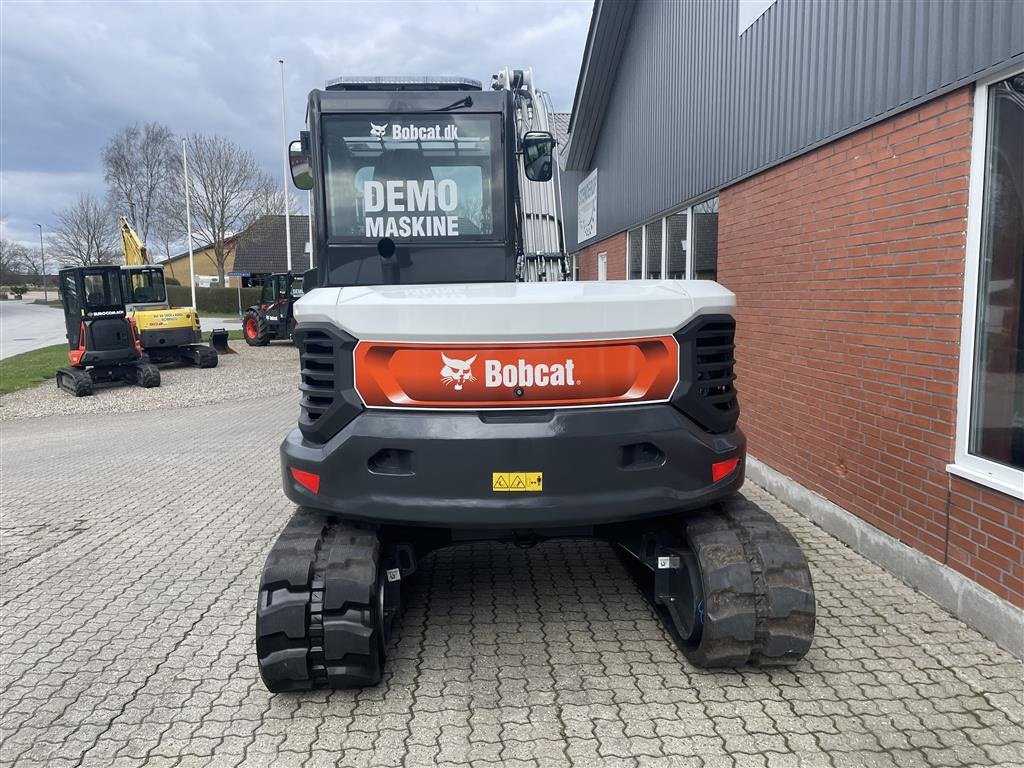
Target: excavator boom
<point>134,251</point>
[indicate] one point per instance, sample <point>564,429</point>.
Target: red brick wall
<point>848,267</point>
<point>615,247</point>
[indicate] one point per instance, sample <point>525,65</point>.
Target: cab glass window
<point>147,286</point>
<point>102,289</point>
<point>413,177</point>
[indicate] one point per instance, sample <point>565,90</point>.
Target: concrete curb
<point>992,616</point>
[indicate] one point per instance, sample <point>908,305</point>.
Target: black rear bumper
<point>599,465</point>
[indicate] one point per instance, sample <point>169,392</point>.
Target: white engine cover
<point>515,312</point>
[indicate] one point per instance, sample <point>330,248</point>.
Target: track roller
<point>326,603</point>
<point>734,587</point>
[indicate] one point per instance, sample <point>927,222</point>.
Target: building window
<point>634,257</point>
<point>990,422</point>
<point>705,240</point>
<point>680,245</point>
<point>676,245</point>
<point>652,250</point>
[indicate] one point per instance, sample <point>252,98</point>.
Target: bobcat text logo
<point>457,372</point>
<point>523,374</point>
<point>378,130</point>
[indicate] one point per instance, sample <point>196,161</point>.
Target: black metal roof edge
<point>585,64</point>
<point>606,39</point>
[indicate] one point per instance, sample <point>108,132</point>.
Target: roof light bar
<point>404,83</point>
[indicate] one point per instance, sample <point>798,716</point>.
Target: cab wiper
<point>466,101</point>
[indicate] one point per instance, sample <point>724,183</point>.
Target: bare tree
<point>13,260</point>
<point>226,187</point>
<point>271,199</point>
<point>138,164</point>
<point>86,233</point>
<point>35,263</point>
<point>166,229</point>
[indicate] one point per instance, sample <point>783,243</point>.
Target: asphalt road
<point>25,326</point>
<point>131,546</point>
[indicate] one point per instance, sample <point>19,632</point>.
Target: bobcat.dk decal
<point>457,372</point>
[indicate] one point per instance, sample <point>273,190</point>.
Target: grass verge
<point>31,368</point>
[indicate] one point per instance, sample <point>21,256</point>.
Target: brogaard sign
<point>545,375</point>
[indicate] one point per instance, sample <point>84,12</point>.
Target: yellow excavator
<point>166,334</point>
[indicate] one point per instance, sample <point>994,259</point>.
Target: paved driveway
<point>132,546</point>
<point>25,326</point>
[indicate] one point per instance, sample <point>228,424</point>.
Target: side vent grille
<point>316,361</point>
<point>714,349</point>
<point>706,391</point>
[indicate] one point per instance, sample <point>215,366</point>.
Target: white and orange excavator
<point>446,397</point>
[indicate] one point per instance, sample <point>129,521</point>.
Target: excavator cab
<point>103,344</point>
<point>143,287</point>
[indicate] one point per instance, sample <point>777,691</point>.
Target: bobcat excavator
<point>166,334</point>
<point>446,399</point>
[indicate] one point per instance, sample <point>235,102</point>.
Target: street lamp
<point>42,262</point>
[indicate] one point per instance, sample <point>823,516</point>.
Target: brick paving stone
<point>127,607</point>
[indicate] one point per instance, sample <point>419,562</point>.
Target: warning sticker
<point>517,482</point>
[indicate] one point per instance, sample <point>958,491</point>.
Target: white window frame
<point>980,470</point>
<point>664,248</point>
<point>643,251</point>
<point>689,239</point>
<point>690,268</point>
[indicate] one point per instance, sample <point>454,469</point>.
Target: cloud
<point>73,73</point>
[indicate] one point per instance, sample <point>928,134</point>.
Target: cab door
<point>70,297</point>
<point>270,299</point>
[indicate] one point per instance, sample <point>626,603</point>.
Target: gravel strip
<point>253,372</point>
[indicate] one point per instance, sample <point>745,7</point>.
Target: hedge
<point>213,300</point>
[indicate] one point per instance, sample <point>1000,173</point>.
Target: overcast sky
<point>71,74</point>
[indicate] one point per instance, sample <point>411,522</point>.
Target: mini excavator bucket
<point>219,341</point>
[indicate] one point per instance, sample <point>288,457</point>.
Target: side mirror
<point>538,147</point>
<point>298,159</point>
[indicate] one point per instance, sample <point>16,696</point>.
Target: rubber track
<point>77,382</point>
<point>315,620</point>
<point>147,375</point>
<point>759,603</point>
<point>203,357</point>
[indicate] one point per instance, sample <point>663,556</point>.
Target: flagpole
<point>188,223</point>
<point>286,174</point>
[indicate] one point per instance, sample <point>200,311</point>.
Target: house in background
<point>257,251</point>
<point>205,262</point>
<point>854,172</point>
<point>261,251</point>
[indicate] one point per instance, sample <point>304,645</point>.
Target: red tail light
<point>308,480</point>
<point>719,470</point>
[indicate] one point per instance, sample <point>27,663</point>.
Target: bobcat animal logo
<point>378,130</point>
<point>457,372</point>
